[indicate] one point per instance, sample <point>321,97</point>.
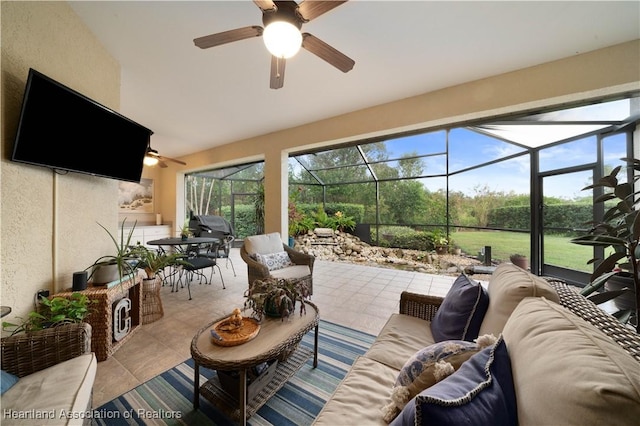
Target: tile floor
<point>360,297</point>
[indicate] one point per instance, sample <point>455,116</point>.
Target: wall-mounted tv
<point>64,130</point>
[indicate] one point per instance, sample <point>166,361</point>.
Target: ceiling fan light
<point>150,161</point>
<point>282,39</point>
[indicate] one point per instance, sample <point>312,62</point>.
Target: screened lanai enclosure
<point>513,184</point>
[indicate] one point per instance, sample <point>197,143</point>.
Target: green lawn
<point>558,250</point>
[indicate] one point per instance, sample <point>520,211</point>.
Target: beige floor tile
<point>356,296</point>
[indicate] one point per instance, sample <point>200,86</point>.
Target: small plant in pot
<point>155,261</point>
<point>53,312</point>
<point>275,297</point>
<point>619,235</point>
<point>519,260</point>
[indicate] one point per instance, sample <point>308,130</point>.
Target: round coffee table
<point>277,340</point>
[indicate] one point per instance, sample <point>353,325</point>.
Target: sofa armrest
<point>570,298</point>
<point>419,305</point>
<point>26,353</point>
<point>255,268</point>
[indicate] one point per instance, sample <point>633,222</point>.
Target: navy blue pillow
<point>462,311</point>
<point>480,393</point>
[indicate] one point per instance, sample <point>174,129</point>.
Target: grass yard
<point>559,251</point>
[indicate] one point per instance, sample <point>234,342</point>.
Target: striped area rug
<point>167,399</point>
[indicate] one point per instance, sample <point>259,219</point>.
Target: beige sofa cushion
<point>566,371</point>
<point>263,243</point>
<point>66,386</point>
<point>400,338</point>
<point>358,399</point>
<point>508,285</point>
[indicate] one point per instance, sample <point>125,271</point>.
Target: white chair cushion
<point>295,271</point>
<point>263,243</point>
<point>66,386</point>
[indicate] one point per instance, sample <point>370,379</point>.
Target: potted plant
<point>519,260</point>
<point>116,266</point>
<point>440,242</point>
<point>185,231</point>
<point>619,235</point>
<point>275,297</point>
<point>53,312</point>
<point>154,261</point>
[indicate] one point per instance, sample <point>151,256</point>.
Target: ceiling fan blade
<point>160,157</point>
<point>309,10</point>
<point>162,164</point>
<point>266,5</point>
<point>277,72</point>
<point>327,53</point>
<point>224,37</point>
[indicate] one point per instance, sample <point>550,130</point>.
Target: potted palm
<point>152,262</point>
<point>619,235</point>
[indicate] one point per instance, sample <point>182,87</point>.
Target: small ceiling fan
<point>282,22</point>
<point>151,158</point>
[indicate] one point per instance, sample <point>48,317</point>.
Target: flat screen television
<point>64,130</point>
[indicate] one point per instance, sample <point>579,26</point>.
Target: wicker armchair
<point>301,270</point>
<point>26,353</point>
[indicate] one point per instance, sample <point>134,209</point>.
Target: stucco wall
<point>48,221</point>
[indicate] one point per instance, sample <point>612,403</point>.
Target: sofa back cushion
<point>566,371</point>
<point>263,243</point>
<point>508,285</point>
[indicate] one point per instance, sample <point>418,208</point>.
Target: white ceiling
<point>195,99</point>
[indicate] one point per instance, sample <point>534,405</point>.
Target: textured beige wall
<point>48,221</point>
<point>609,71</point>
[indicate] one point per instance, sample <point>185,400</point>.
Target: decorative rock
<point>344,247</point>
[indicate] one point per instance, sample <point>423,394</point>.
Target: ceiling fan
<point>282,22</point>
<point>151,158</point>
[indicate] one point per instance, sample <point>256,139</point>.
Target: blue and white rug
<point>167,399</point>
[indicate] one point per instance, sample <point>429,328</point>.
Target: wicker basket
<point>151,301</point>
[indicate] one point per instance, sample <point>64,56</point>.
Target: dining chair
<point>194,264</point>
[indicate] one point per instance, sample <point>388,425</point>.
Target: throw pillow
<point>7,380</point>
<point>462,311</point>
<point>480,393</point>
<point>427,367</point>
<point>275,261</point>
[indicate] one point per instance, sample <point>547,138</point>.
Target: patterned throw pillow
<point>480,393</point>
<point>461,312</point>
<point>274,261</point>
<point>427,367</point>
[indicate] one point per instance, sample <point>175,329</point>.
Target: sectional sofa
<point>526,350</point>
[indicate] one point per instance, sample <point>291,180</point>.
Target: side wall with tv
<point>49,222</point>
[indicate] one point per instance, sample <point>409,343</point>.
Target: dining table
<point>191,247</point>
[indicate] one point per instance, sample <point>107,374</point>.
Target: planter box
<point>257,378</point>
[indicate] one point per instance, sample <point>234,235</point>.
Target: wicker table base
<point>276,340</point>
<point>228,404</point>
